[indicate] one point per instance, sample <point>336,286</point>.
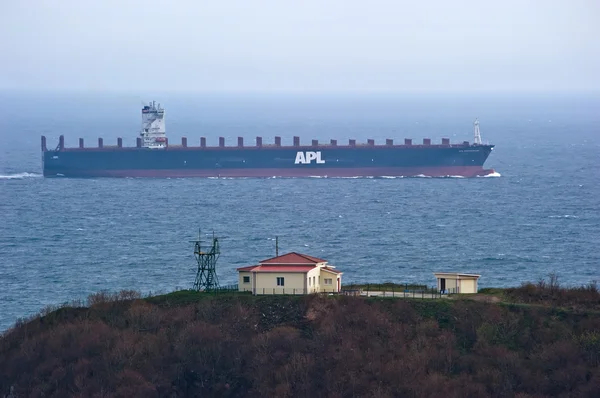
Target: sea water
<point>62,239</point>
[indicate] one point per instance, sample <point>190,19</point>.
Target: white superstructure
<point>476,132</point>
<point>153,126</point>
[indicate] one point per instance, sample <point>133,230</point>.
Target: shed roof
<point>293,258</point>
<point>457,274</point>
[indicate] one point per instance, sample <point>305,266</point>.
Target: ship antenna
<point>477,138</point>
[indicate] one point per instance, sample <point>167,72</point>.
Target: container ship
<point>154,156</point>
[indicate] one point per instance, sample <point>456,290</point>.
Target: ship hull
<point>184,162</point>
<point>460,171</point>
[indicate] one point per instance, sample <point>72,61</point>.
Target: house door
<point>443,284</point>
<point>338,289</point>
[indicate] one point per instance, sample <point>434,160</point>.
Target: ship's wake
<point>493,174</point>
<point>19,176</point>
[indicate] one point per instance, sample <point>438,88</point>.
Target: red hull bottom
<point>452,171</point>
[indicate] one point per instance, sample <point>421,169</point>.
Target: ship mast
<point>153,126</point>
<point>477,133</point>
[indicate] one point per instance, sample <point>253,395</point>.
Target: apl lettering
<point>308,157</point>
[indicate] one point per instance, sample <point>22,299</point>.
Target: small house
<point>454,282</point>
<point>291,273</point>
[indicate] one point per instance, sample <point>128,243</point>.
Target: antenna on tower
<point>206,276</point>
<point>477,133</point>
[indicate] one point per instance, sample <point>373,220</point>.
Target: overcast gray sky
<point>300,45</point>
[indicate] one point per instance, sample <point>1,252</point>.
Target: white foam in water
<point>494,174</point>
<point>19,176</point>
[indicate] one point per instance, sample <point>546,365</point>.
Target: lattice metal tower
<point>206,277</point>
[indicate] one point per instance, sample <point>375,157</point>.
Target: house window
<point>246,279</point>
<point>279,281</point>
<point>328,281</point>
<point>309,281</point>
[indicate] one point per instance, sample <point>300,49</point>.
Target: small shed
<point>456,282</point>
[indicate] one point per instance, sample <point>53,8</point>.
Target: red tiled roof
<point>249,268</point>
<point>293,258</point>
<point>283,268</point>
<point>317,259</point>
<point>334,271</point>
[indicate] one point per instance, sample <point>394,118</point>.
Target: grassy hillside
<point>533,341</point>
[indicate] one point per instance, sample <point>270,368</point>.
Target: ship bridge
<point>153,126</point>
